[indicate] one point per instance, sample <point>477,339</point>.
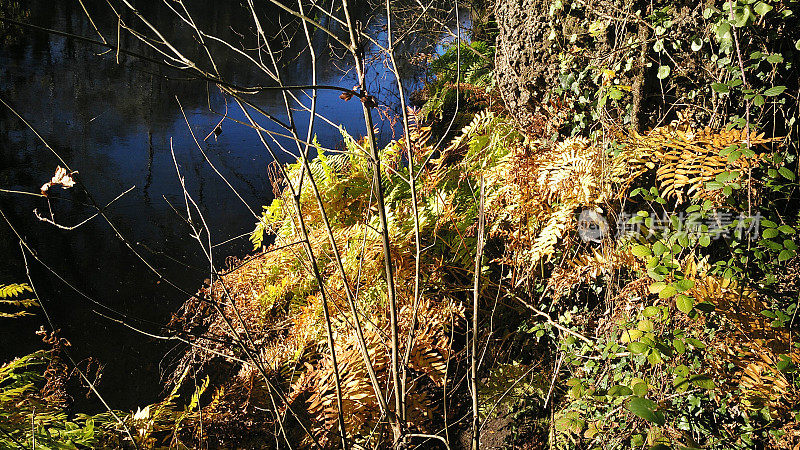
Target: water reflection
<point>118,123</point>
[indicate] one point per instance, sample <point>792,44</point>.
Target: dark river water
<point>113,122</point>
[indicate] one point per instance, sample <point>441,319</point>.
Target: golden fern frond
<point>688,158</point>
<point>572,171</point>
<point>545,243</point>
<point>8,294</point>
<point>13,290</point>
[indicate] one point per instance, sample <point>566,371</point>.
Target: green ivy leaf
<point>645,409</point>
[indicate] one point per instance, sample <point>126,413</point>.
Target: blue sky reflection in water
<point>113,123</point>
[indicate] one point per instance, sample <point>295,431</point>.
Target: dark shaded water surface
<point>115,123</point>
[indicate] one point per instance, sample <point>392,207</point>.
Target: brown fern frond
<point>749,342</point>
<point>586,267</point>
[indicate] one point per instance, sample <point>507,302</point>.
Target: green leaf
<point>697,44</point>
<point>641,251</point>
<point>680,383</point>
<point>784,363</point>
<point>775,90</point>
<point>645,409</point>
<point>684,303</point>
<point>695,343</point>
<point>637,348</point>
<point>619,391</point>
<point>684,285</point>
<point>724,177</point>
<point>639,388</point>
<point>668,292</point>
<point>762,8</point>
<point>702,381</point>
<point>720,88</point>
<point>775,58</point>
<point>630,335</point>
<point>663,72</point>
<point>769,233</point>
<point>786,173</point>
<point>654,357</point>
<point>651,311</point>
<point>723,31</point>
<point>743,16</point>
<point>714,185</point>
<point>705,240</point>
<point>784,255</point>
<point>786,229</point>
